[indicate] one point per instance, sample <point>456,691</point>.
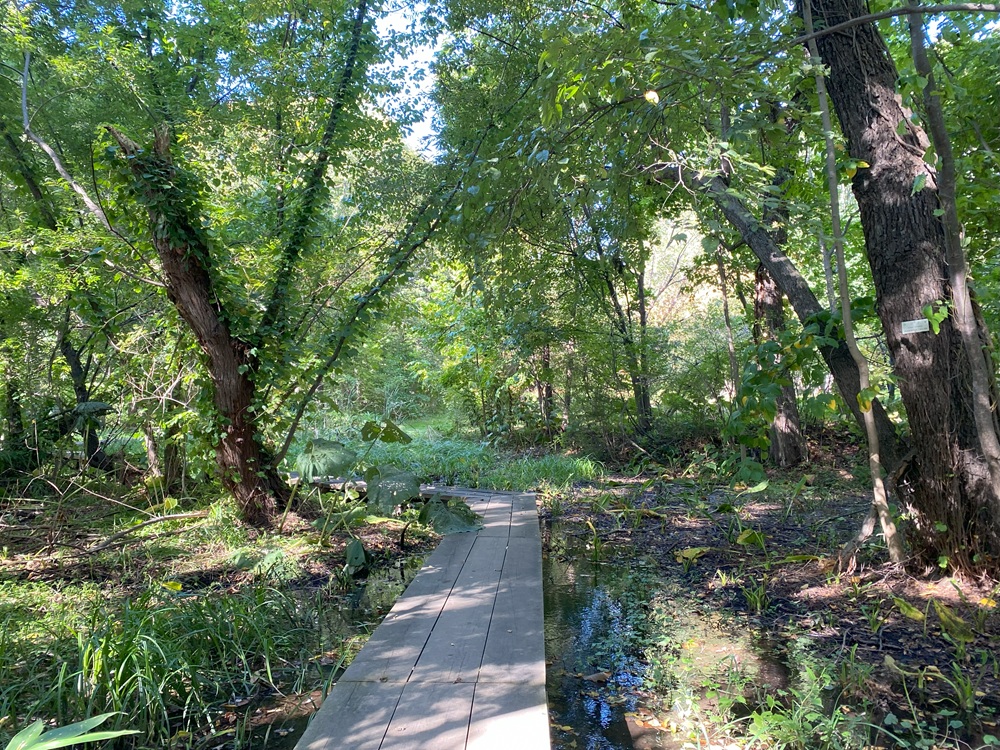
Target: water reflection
<point>594,674</point>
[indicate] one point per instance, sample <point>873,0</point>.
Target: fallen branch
<point>131,529</point>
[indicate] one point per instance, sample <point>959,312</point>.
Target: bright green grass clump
<point>478,464</point>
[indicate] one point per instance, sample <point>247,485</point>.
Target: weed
<point>755,595</point>
<point>853,675</point>
<point>799,718</point>
<point>873,615</point>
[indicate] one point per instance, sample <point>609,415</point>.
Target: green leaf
<point>355,555</point>
<point>918,183</point>
<point>324,458</point>
<point>908,610</point>
<point>387,432</point>
<point>391,487</point>
<point>451,517</point>
<point>26,737</point>
<point>956,628</point>
<point>797,559</point>
<point>690,554</point>
<point>751,537</point>
<point>31,738</point>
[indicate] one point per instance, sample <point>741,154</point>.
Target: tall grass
<point>168,663</point>
<point>478,464</point>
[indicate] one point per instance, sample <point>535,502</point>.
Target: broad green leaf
<point>451,517</point>
<point>26,737</point>
<point>956,628</point>
<point>918,183</point>
<point>908,610</point>
<point>355,556</point>
<point>324,458</point>
<point>387,432</point>
<point>31,738</point>
<point>690,554</point>
<point>751,537</point>
<point>797,559</point>
<point>242,560</point>
<point>391,487</point>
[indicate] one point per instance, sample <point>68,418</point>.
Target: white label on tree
<point>916,326</point>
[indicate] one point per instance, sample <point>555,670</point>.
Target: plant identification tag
<point>916,326</point>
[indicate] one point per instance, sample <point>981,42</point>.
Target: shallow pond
<point>637,660</point>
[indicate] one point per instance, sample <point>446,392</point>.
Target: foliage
<point>34,738</point>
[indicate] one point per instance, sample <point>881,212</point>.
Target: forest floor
<point>833,652</point>
<point>746,626</point>
<point>100,611</point>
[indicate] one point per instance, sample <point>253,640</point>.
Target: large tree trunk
<point>787,443</point>
<point>186,261</point>
<point>956,507</point>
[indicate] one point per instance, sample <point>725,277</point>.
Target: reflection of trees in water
<point>590,628</point>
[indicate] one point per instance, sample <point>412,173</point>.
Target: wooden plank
<point>509,716</point>
<point>459,660</point>
<point>354,715</point>
<point>525,501</point>
<point>496,516</point>
<point>395,646</point>
<point>515,646</point>
<point>454,651</point>
<point>430,717</point>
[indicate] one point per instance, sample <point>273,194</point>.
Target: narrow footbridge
<point>459,662</point>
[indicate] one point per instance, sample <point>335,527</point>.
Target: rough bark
<point>186,262</point>
<point>787,443</point>
<point>956,510</point>
<point>880,501</point>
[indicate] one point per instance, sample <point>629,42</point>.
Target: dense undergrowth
<point>727,624</point>
<point>187,629</point>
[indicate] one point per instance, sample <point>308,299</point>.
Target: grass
<point>182,623</point>
<point>477,464</point>
<point>168,662</point>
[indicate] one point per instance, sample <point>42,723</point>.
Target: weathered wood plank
<point>395,646</point>
<point>515,646</point>
<point>496,516</point>
<point>430,717</point>
<point>509,716</point>
<point>454,651</point>
<point>354,715</point>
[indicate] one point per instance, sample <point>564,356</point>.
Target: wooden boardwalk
<point>459,662</point>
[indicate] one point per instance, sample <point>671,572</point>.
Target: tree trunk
<point>568,387</point>
<point>956,509</point>
<point>787,443</point>
<point>186,261</point>
<point>543,389</point>
<point>162,456</point>
<point>94,454</point>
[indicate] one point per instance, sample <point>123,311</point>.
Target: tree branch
<point>89,202</point>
